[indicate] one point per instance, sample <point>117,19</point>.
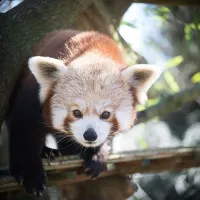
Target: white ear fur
<point>141,76</point>
<point>45,69</point>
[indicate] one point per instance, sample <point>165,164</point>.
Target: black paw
<point>34,180</point>
<point>96,165</point>
<point>50,153</point>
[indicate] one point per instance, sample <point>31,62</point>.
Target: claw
<point>59,153</point>
<point>34,193</point>
<point>20,180</point>
<point>39,194</point>
<point>44,187</point>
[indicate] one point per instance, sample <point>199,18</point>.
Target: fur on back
<point>67,45</point>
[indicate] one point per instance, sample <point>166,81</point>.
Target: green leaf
<point>131,25</point>
<point>152,102</point>
<point>188,32</point>
<point>159,18</point>
<point>175,61</point>
<point>193,26</point>
<point>163,9</point>
<point>159,86</point>
<point>196,78</point>
<point>140,107</point>
<point>171,82</point>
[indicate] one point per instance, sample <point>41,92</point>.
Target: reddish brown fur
<point>67,122</point>
<point>25,122</point>
<point>47,107</point>
<point>68,45</point>
<point>56,45</point>
<point>115,125</point>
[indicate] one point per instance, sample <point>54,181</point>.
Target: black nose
<point>90,135</point>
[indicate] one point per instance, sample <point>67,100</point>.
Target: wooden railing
<point>67,170</point>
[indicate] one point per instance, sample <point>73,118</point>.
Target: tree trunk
<point>22,27</point>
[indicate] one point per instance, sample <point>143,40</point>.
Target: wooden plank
<point>69,169</point>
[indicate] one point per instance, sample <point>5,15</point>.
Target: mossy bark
<point>22,27</point>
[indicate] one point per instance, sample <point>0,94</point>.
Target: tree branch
<point>170,2</point>
<point>169,104</point>
<point>68,170</point>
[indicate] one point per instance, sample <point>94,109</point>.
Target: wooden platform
<point>66,170</point>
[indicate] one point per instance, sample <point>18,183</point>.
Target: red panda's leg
<point>95,159</point>
<point>26,142</point>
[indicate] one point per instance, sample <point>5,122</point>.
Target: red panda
<point>76,84</point>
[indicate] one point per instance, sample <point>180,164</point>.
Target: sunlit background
<point>168,37</point>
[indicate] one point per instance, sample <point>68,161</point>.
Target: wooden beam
<point>170,2</point>
<point>67,170</point>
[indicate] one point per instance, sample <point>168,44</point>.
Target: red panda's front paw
<point>96,162</point>
<point>95,166</point>
<point>50,153</point>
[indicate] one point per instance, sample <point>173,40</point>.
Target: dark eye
<point>77,114</point>
<point>105,115</point>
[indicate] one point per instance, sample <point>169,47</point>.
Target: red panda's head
<point>91,100</point>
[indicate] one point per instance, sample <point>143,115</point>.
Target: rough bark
<point>22,27</point>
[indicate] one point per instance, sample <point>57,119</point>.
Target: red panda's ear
<point>45,69</point>
<point>141,76</point>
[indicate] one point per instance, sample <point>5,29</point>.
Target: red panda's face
<point>89,102</point>
<point>92,103</point>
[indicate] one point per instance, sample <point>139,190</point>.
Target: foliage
<point>189,28</point>
<point>165,14</point>
<point>196,78</point>
<point>174,62</point>
<point>162,13</point>
<point>131,25</point>
<point>169,78</point>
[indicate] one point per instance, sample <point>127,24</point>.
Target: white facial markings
<point>124,118</point>
<point>43,93</point>
<point>124,113</point>
<point>92,90</point>
<point>101,128</point>
<point>58,116</point>
<point>50,141</point>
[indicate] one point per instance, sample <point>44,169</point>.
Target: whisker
<point>57,143</point>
